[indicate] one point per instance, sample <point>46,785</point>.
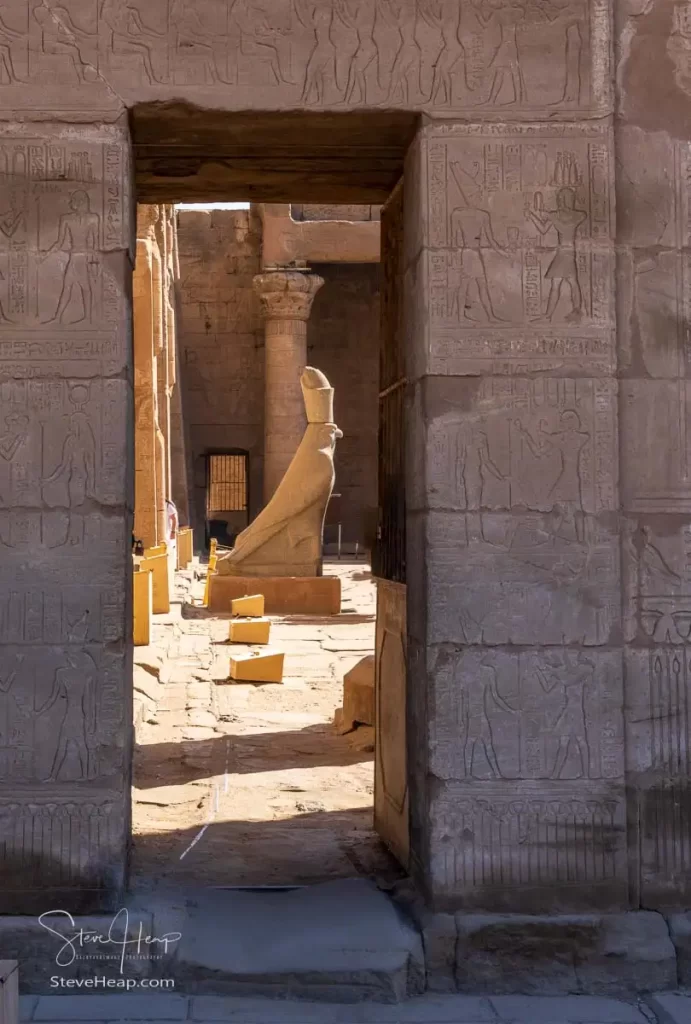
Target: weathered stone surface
<point>358,696</point>
<point>680,934</point>
<point>397,57</point>
<point>612,955</point>
<point>66,497</point>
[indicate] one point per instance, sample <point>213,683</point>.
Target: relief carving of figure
<point>679,46</point>
<point>444,16</point>
<point>193,38</point>
<point>563,271</point>
<point>78,236</point>
<point>473,468</point>
<point>259,39</point>
<point>360,16</point>
<point>8,37</point>
<point>505,65</point>
<point>76,468</point>
<point>568,443</point>
<point>9,709</point>
<point>130,36</point>
<point>321,66</point>
<point>406,74</point>
<point>570,724</point>
<point>286,537</point>
<point>471,231</point>
<point>61,36</point>
<point>75,716</point>
<point>479,702</point>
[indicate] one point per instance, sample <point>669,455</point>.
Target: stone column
<point>516,692</point>
<point>65,517</point>
<point>286,299</point>
<point>145,450</point>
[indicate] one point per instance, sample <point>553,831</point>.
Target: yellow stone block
<point>157,565</point>
<point>142,603</point>
<point>250,607</point>
<point>250,631</point>
<point>185,546</point>
<point>159,549</point>
<point>264,667</point>
<point>211,571</point>
<point>213,544</point>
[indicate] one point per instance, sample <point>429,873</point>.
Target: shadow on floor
<point>302,850</point>
<point>175,763</point>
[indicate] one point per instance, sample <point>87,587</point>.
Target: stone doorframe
<point>549,595</point>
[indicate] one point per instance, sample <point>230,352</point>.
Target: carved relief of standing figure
<point>78,237</point>
<point>569,443</point>
<point>471,230</point>
<point>563,270</point>
<point>444,16</point>
<point>73,690</point>
<point>478,723</point>
<point>359,15</point>
<point>506,62</point>
<point>78,458</point>
<point>321,66</point>
<point>8,36</point>
<point>570,724</point>
<point>407,66</point>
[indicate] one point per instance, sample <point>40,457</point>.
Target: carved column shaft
<point>286,298</point>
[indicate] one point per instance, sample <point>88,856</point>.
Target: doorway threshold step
<point>338,941</point>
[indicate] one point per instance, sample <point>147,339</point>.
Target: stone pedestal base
<point>283,595</point>
<point>613,955</point>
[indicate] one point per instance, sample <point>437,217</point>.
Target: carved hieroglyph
<point>521,262</point>
<point>65,496</point>
<point>286,537</point>
<point>526,57</point>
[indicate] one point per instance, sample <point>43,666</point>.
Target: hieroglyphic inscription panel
<point>521,848</point>
<point>525,58</point>
<point>520,258</point>
<point>518,475</point>
<point>554,715</point>
<point>65,500</point>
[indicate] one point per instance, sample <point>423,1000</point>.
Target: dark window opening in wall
<point>227,495</point>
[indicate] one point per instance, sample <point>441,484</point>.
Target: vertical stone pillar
<point>145,453</point>
<point>654,272</point>
<point>516,703</point>
<point>66,500</point>
<point>286,300</point>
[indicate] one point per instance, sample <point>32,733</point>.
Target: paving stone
<point>671,1007</point>
<point>566,1010</point>
<point>427,1009</point>
<point>120,1007</point>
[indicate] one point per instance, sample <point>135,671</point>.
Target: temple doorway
<point>248,785</point>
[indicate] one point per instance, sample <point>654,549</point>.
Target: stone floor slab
<point>120,1007</point>
<point>671,1007</point>
<point>566,1010</point>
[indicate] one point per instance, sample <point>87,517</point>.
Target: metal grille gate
<point>226,489</point>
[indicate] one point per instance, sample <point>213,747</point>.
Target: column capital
<point>287,294</point>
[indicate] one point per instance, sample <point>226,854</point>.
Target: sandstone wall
<point>222,358</point>
<point>221,343</point>
<point>343,341</point>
